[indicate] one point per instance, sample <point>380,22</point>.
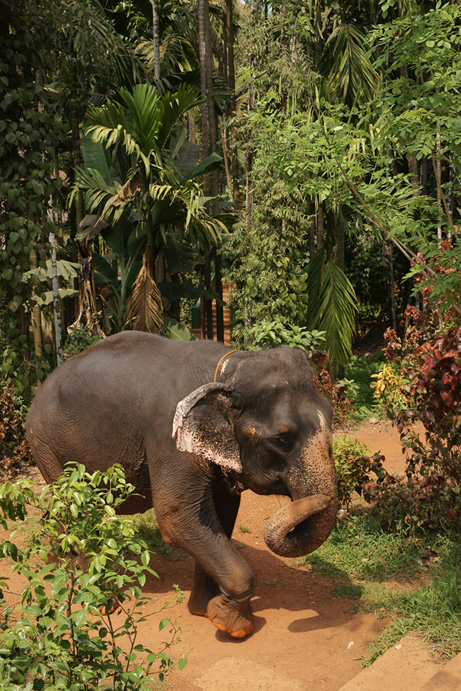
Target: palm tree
<point>144,133</point>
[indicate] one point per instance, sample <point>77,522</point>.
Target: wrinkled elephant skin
<point>193,424</point>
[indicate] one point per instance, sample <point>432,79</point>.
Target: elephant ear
<point>202,426</point>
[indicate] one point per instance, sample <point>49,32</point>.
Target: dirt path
<point>304,639</point>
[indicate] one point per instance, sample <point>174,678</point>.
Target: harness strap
<point>216,372</point>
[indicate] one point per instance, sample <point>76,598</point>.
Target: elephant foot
<point>236,622</point>
<point>205,588</point>
<point>198,605</point>
<point>110,607</point>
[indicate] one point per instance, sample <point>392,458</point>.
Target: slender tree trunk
<point>156,39</point>
<point>209,142</point>
<point>77,162</point>
<point>202,6</point>
<point>392,287</point>
<point>36,314</point>
<point>320,229</point>
<point>413,171</point>
<point>56,297</point>
<point>202,11</point>
<point>232,103</point>
<point>438,179</point>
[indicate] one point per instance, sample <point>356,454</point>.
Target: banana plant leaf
<point>176,331</point>
<point>66,270</point>
<point>47,297</point>
<point>180,257</point>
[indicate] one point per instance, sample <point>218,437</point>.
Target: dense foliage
<point>82,559</point>
<point>423,384</point>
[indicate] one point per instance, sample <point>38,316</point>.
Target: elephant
<point>194,424</point>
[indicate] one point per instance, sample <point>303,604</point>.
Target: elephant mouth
<point>302,526</point>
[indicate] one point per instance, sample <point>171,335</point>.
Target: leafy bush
<point>79,340</point>
<point>391,389</point>
<point>63,634</point>
<point>429,496</point>
<point>340,395</point>
<point>350,456</point>
<point>281,333</point>
<point>360,370</point>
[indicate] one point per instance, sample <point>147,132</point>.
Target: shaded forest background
<point>305,153</point>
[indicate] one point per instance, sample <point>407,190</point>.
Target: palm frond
<point>336,314</point>
<point>145,309</point>
<point>173,107</point>
<point>345,64</point>
<point>332,305</point>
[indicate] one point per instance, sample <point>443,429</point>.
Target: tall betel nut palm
<point>143,132</point>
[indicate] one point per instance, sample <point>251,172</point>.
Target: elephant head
<point>265,424</point>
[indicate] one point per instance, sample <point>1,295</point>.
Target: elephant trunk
<point>302,526</point>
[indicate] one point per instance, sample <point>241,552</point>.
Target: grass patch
<point>146,528</point>
<point>417,580</point>
<point>362,549</point>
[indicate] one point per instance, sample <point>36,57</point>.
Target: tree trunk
<point>232,103</point>
<point>77,161</point>
<point>36,314</point>
<point>56,300</point>
<point>320,229</point>
<point>156,39</point>
<point>202,6</point>
<point>413,171</point>
<point>209,137</point>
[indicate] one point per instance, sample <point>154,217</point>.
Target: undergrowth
<point>360,370</point>
<point>146,529</point>
<point>414,579</point>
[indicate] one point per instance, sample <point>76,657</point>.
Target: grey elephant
<point>193,424</point>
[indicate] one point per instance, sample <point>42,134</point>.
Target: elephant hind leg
<point>204,589</point>
<point>46,460</point>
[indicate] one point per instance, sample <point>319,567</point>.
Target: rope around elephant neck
<point>216,372</point>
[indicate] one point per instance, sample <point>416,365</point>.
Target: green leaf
<point>176,331</point>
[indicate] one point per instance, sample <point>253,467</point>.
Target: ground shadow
<point>278,586</point>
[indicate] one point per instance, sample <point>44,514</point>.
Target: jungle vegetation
<point>306,152</point>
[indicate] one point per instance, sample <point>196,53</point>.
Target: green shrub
<point>391,390</point>
<point>428,497</point>
<point>79,340</point>
<point>280,333</point>
<point>63,634</point>
<point>350,456</point>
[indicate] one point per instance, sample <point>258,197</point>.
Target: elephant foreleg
<point>203,529</point>
<point>205,587</point>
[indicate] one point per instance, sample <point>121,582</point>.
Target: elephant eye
<point>282,441</point>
